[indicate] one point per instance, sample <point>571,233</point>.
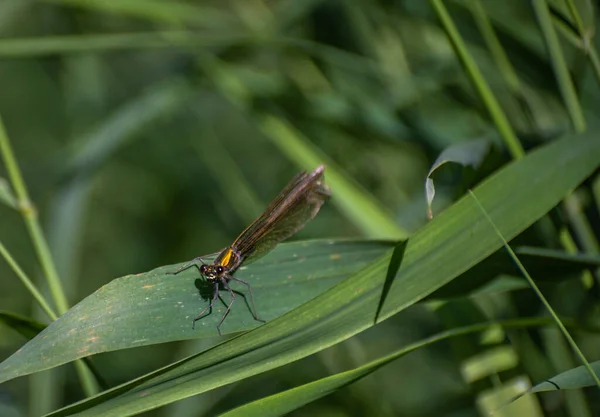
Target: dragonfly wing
<point>298,203</point>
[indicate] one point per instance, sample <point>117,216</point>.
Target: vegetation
<point>455,267</point>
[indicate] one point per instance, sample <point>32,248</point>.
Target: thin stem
<point>29,214</point>
<point>479,83</point>
<point>541,296</point>
<point>27,282</point>
<point>31,221</point>
<point>557,59</point>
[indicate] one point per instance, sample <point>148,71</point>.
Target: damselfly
<point>297,203</point>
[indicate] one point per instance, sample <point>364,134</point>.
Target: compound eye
<point>220,270</point>
<point>203,269</point>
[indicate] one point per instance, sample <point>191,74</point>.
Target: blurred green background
<point>148,133</point>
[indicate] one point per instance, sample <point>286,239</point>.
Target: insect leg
<point>224,282</point>
<point>189,265</point>
<point>209,307</point>
<point>254,311</point>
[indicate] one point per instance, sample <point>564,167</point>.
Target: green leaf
<point>158,11</point>
<point>560,65</point>
<point>157,307</point>
<point>578,377</point>
<point>290,400</point>
<point>454,241</point>
<point>469,154</point>
<point>6,195</point>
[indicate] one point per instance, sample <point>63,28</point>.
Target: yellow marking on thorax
<point>227,257</point>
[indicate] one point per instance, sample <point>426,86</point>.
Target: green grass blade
<point>68,44</point>
<point>41,247</point>
<point>561,70</point>
<point>36,294</point>
<point>580,42</point>
<point>6,194</point>
<point>31,221</point>
<point>290,400</point>
<point>157,307</point>
<point>495,47</point>
<point>468,154</point>
<point>156,11</point>
<point>575,378</point>
<point>575,16</point>
<point>541,296</point>
<point>479,83</point>
<point>454,241</point>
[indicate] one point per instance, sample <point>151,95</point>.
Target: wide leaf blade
<point>157,307</point>
<point>454,241</point>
